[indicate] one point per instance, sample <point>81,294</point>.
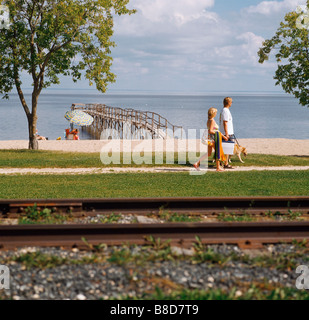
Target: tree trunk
<point>31,116</point>
<point>33,142</point>
<point>32,121</point>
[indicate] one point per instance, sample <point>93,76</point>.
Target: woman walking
<point>214,141</point>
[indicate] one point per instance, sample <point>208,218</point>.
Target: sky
<point>190,46</point>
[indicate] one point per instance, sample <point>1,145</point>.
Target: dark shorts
<point>232,137</point>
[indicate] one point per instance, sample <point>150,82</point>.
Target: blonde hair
<point>211,113</point>
<point>227,101</point>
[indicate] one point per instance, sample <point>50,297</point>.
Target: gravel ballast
<point>103,279</point>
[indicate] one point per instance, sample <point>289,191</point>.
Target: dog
<point>238,150</point>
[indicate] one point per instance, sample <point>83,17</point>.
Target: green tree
<point>51,38</point>
<point>291,47</point>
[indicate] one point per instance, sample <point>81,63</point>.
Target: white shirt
<point>226,115</point>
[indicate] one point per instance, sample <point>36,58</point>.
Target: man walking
<point>226,125</point>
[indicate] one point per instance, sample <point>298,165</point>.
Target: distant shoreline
<point>275,146</point>
<point>65,91</point>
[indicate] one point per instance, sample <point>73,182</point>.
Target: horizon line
<point>146,91</point>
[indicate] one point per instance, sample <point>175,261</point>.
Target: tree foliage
<point>291,47</point>
<point>47,39</point>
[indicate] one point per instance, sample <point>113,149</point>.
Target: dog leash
<point>236,140</point>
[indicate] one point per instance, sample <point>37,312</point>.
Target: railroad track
<point>245,235</point>
<point>145,206</point>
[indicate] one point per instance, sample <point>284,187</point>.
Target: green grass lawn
<point>253,183</point>
<point>47,159</point>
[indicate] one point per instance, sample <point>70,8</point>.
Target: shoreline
<point>276,146</point>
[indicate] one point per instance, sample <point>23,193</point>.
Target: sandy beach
<point>259,146</point>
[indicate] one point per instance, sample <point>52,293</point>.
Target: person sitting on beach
<point>71,135</point>
<point>75,134</point>
<point>67,132</point>
<point>214,140</point>
<point>38,137</point>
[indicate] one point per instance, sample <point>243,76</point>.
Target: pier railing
<point>111,122</point>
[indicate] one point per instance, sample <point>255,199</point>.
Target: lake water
<point>255,115</point>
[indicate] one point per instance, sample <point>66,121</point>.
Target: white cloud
<point>250,47</point>
<point>243,50</point>
<point>178,12</point>
<point>136,68</point>
<point>168,17</point>
<point>270,7</point>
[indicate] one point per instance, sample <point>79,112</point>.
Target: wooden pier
<point>118,123</point>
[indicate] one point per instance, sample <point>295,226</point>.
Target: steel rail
<point>245,235</point>
<point>193,205</point>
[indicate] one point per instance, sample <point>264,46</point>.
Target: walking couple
<point>215,135</point>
